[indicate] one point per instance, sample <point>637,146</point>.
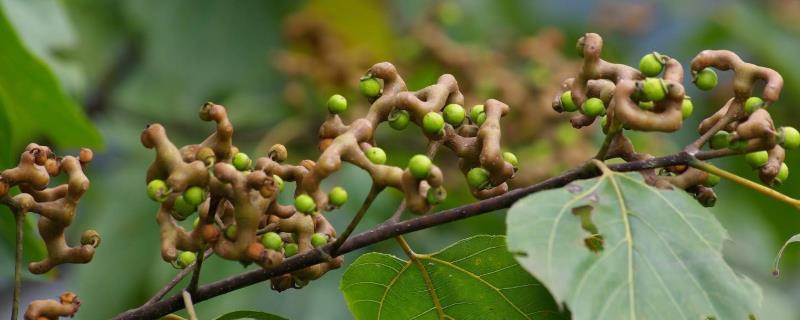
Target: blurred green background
<point>74,71</point>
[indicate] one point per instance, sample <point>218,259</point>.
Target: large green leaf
<point>615,248</point>
<point>475,278</point>
<point>246,314</point>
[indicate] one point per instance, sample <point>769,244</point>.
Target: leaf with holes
<point>475,278</point>
<point>615,248</point>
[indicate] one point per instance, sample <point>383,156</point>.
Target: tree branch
<point>389,230</point>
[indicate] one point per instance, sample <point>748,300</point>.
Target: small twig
<point>187,302</point>
<point>601,154</point>
<point>373,193</point>
<point>20,217</point>
<point>177,279</point>
<point>198,265</point>
<point>722,123</point>
<point>710,168</point>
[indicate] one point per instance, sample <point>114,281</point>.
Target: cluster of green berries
<point>273,241</point>
<point>184,205</point>
<point>592,107</point>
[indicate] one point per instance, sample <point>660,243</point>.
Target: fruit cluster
<point>56,206</point>
<point>235,196</point>
<point>625,98</point>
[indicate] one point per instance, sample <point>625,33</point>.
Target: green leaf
<point>246,314</point>
<point>615,248</point>
<point>475,276</point>
<point>34,102</point>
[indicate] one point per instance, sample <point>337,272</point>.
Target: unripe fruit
<point>185,259</point>
<point>319,239</point>
<point>593,107</point>
<point>783,174</point>
<point>305,204</point>
<point>337,196</point>
<point>454,114</point>
<point>231,232</point>
<point>650,65</point>
<point>272,240</point>
<point>183,208</point>
<point>752,104</point>
<point>478,178</point>
<point>646,105</point>
<point>789,137</point>
<point>738,145</point>
<point>241,161</point>
<point>194,195</point>
<point>433,123</point>
<point>370,87</point>
<point>376,155</point>
<point>436,195</point>
<point>567,103</point>
<point>278,182</point>
<point>654,89</point>
<point>156,190</point>
<point>476,113</point>
<point>687,107</point>
<point>420,166</point>
<point>757,159</point>
<point>720,140</point>
<point>511,158</point>
<point>337,104</point>
<point>399,119</point>
<point>711,181</point>
<point>706,79</point>
<point>290,249</point>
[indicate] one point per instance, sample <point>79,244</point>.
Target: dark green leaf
<point>246,314</point>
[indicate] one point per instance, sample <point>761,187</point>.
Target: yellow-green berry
<point>757,159</point>
<point>420,166</point>
<point>789,137</point>
<point>706,79</point>
<point>783,174</point>
<point>655,89</point>
<point>278,182</point>
<point>646,105</point>
<point>194,195</point>
<point>376,155</point>
<point>338,196</point>
<point>319,239</point>
<point>433,123</point>
<point>567,103</point>
<point>305,204</point>
<point>478,178</point>
<point>157,190</point>
<point>454,114</point>
<point>370,87</point>
<point>182,208</point>
<point>272,241</point>
<point>337,104</point>
<point>511,158</point>
<point>231,232</point>
<point>290,249</point>
<point>399,119</point>
<point>752,104</point>
<point>476,113</point>
<point>687,107</point>
<point>241,161</point>
<point>185,259</point>
<point>711,181</point>
<point>720,140</point>
<point>593,107</point>
<point>651,65</point>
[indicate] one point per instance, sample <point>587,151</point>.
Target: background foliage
<point>129,63</point>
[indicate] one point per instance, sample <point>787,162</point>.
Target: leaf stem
<point>187,302</point>
<point>414,257</point>
<point>710,168</point>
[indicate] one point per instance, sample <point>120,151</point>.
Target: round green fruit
<point>319,239</point>
<point>752,104</point>
<point>706,79</point>
<point>711,181</point>
<point>399,119</point>
<point>186,258</point>
<point>370,87</point>
<point>183,208</point>
<point>478,178</point>
<point>290,249</point>
<point>338,196</point>
<point>194,195</point>
<point>593,107</point>
<point>454,114</point>
<point>650,65</point>
<point>420,166</point>
<point>231,232</point>
<point>511,158</point>
<point>687,107</point>
<point>278,182</point>
<point>654,89</point>
<point>241,161</point>
<point>305,204</point>
<point>789,137</point>
<point>272,241</point>
<point>476,113</point>
<point>376,155</point>
<point>757,159</point>
<point>720,140</point>
<point>783,174</point>
<point>337,104</point>
<point>433,123</point>
<point>567,103</point>
<point>157,190</point>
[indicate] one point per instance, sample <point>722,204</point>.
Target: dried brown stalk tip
<point>50,309</point>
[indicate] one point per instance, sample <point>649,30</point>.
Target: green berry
<point>567,103</point>
<point>337,104</point>
<point>319,239</point>
<point>593,107</point>
<point>687,107</point>
<point>738,145</point>
<point>183,208</point>
<point>711,181</point>
<point>757,159</point>
<point>399,119</point>
<point>186,258</point>
<point>475,114</point>
<point>752,104</point>
<point>278,182</point>
<point>789,137</point>
<point>272,240</point>
<point>436,195</point>
<point>241,161</point>
<point>433,123</point>
<point>654,89</point>
<point>370,87</point>
<point>420,166</point>
<point>454,114</point>
<point>706,79</point>
<point>194,195</point>
<point>720,140</point>
<point>646,105</point>
<point>290,249</point>
<point>231,232</point>
<point>305,204</point>
<point>511,158</point>
<point>650,65</point>
<point>478,178</point>
<point>783,174</point>
<point>156,190</point>
<point>376,155</point>
<point>337,196</point>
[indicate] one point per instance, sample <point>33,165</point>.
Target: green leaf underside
<point>475,278</point>
<point>247,314</point>
<point>660,258</point>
